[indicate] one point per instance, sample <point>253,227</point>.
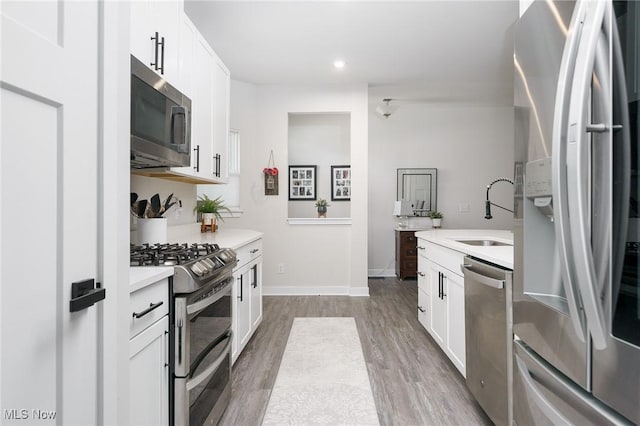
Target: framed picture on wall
<point>340,183</point>
<point>302,183</point>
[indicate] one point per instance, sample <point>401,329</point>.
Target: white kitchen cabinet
<point>256,293</point>
<point>247,295</point>
<point>456,346</point>
<point>163,18</point>
<point>424,301</point>
<point>445,307</point>
<point>149,376</point>
<point>221,97</point>
<point>205,79</point>
<point>149,354</point>
<point>241,309</point>
<point>188,36</point>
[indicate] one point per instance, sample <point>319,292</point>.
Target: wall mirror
<point>420,187</point>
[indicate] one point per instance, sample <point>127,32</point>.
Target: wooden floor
<point>413,383</point>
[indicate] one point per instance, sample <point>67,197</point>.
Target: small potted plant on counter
<point>436,218</point>
<point>322,205</point>
<point>210,210</point>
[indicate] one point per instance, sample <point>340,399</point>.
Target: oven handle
<point>195,381</point>
<point>201,304</point>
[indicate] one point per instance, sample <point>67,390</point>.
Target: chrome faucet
<point>488,203</point>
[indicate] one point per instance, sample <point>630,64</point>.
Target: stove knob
<point>210,265</point>
<point>204,267</point>
<point>197,269</point>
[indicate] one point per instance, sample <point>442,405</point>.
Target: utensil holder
<point>152,231</point>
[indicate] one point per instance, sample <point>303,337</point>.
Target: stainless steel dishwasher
<point>489,337</point>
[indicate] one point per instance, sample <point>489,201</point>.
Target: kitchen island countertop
<point>499,255</point>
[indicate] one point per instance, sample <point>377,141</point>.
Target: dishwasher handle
<point>482,279</point>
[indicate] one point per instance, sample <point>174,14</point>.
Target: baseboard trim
<point>382,272</point>
<point>316,291</point>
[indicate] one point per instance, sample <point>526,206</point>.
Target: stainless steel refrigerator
<point>576,307</point>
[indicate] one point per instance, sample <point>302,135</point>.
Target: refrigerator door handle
<point>559,176</point>
<point>578,174</point>
<point>537,397</point>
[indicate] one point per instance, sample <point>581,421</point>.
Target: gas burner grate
<point>168,254</point>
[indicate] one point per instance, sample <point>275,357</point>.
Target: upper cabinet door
<point>221,96</point>
<point>155,35</point>
<point>186,60</point>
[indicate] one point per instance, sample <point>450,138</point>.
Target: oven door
<point>203,356</point>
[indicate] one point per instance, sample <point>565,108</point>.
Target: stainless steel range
<point>200,327</point>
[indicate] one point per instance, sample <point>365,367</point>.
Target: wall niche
<point>322,140</point>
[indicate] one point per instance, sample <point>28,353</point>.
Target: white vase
<point>152,231</point>
<point>208,218</point>
<point>436,223</point>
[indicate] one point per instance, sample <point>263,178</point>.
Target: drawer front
<point>410,265</point>
<point>409,251</point>
<point>408,238</point>
<point>141,300</point>
<point>443,256</point>
<point>249,252</point>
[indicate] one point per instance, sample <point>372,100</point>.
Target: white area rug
<point>323,378</point>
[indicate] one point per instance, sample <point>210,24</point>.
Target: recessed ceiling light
<point>339,64</point>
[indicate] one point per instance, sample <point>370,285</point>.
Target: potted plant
<point>210,210</point>
<point>436,218</point>
<point>322,205</point>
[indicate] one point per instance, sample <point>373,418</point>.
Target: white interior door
<point>48,211</point>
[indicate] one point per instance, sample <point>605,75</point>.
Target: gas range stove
<point>195,265</point>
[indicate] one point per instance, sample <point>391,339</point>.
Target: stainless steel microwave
<point>160,121</point>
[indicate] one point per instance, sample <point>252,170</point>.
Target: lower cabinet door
<point>456,345</point>
<point>149,375</point>
<point>256,293</point>
<point>438,314</point>
<point>241,310</point>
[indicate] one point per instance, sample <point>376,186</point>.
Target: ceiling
<point>414,51</point>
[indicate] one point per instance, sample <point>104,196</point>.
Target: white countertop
<point>142,276</point>
<point>224,237</point>
<point>500,255</point>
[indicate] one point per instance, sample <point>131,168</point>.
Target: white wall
<point>469,145</point>
<point>322,140</point>
<point>146,187</point>
<point>318,259</point>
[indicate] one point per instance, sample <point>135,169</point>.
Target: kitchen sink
<point>486,243</point>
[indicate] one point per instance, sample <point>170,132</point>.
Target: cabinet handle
<point>166,348</point>
<point>216,161</point>
<point>159,57</point>
<point>197,166</point>
<point>443,293</point>
<point>151,307</point>
<point>421,309</point>
<point>420,248</point>
<point>439,285</point>
<point>162,56</point>
<point>255,276</point>
<point>254,251</point>
<point>240,297</point>
<point>421,273</point>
